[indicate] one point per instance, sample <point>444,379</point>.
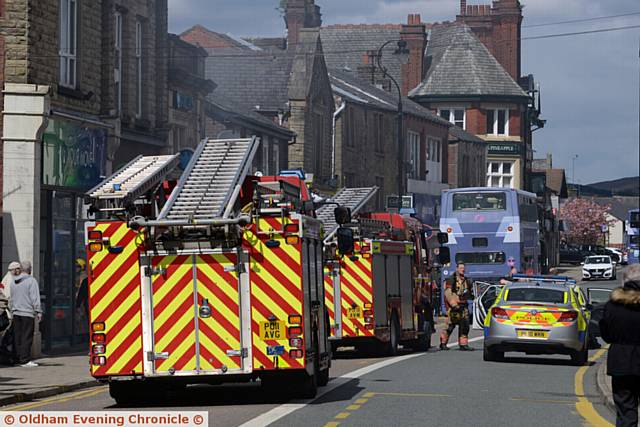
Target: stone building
<point>85,90</point>
<point>467,159</point>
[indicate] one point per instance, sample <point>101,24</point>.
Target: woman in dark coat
<point>620,326</point>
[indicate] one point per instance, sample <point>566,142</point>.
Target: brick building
<point>467,159</point>
<point>85,90</point>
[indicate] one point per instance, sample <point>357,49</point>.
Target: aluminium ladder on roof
<point>210,184</point>
<point>131,181</point>
<point>352,198</point>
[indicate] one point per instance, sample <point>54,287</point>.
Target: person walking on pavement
<point>620,327</point>
<point>457,293</point>
<point>7,353</point>
<point>25,308</point>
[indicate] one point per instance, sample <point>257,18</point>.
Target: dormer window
<point>454,115</point>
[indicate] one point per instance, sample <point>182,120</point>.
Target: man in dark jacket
<point>620,326</point>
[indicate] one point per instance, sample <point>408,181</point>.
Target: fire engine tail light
<point>295,319</point>
<point>369,326</point>
<point>295,342</point>
<point>95,235</point>
<point>368,306</point>
<point>291,234</point>
<point>99,338</point>
<point>98,349</point>
<point>368,313</point>
<point>99,360</point>
<point>95,246</point>
<point>295,331</point>
<point>296,354</point>
<point>97,327</point>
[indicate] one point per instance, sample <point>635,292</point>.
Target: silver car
<point>538,318</point>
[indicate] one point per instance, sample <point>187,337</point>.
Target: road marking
<point>560,402</point>
<point>342,415</point>
<point>332,424</point>
<point>353,407</point>
<point>361,401</point>
<point>411,394</point>
<point>283,410</point>
<point>584,407</point>
<point>58,399</point>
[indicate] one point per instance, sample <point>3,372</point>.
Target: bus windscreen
<point>479,201</point>
<point>634,219</point>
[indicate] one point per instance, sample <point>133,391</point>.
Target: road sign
<point>394,202</point>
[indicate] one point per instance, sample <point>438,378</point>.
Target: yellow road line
<point>361,401</point>
<point>560,402</point>
<point>353,407</point>
<point>332,424</point>
<point>583,406</point>
<point>79,395</point>
<point>410,394</point>
<point>342,415</point>
<point>369,394</point>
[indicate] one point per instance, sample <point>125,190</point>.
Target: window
<point>532,294</point>
<point>182,101</point>
<point>378,132</point>
<point>117,71</point>
<point>480,258</point>
<point>454,115</point>
<point>68,42</point>
<point>498,122</point>
<point>138,69</point>
<point>380,194</point>
<point>500,174</point>
<point>479,201</point>
<point>413,144</point>
<point>434,165</point>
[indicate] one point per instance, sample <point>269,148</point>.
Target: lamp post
<point>402,49</point>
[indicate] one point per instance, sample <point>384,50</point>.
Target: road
<point>435,388</point>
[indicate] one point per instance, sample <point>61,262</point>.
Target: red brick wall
<point>429,129</point>
<point>476,121</point>
<point>202,37</point>
<point>414,34</point>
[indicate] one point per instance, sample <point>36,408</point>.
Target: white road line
<point>285,409</point>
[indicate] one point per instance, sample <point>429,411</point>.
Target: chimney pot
<point>463,7</point>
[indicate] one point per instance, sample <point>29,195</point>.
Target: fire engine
<point>218,280</point>
<point>378,292</point>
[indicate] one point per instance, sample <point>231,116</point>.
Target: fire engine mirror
<point>443,238</point>
<point>345,240</point>
<point>342,215</point>
<point>444,256</point>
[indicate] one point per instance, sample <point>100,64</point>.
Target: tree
<point>586,220</point>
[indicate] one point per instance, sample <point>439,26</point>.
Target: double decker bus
<point>632,236</point>
<point>491,231</point>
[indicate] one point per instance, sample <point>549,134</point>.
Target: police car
<point>538,315</point>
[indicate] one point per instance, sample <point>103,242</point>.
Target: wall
<point>467,164</point>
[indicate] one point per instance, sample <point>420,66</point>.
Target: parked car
<point>623,258</point>
<point>599,267</point>
<point>572,254</point>
<point>600,250</point>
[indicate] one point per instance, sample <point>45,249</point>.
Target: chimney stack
<point>463,7</point>
<point>299,14</point>
<point>414,34</point>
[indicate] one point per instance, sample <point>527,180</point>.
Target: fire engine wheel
<point>394,336</point>
<point>134,392</point>
<point>423,343</point>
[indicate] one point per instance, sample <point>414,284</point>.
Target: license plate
<point>541,335</point>
<point>354,312</point>
<point>273,330</point>
<point>275,350</point>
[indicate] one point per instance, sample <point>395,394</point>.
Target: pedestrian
<point>6,330</point>
<point>458,291</point>
<point>620,326</point>
<point>25,308</point>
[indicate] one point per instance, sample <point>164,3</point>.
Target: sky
<point>589,83</point>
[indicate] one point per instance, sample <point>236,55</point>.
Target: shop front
<point>505,165</point>
<point>74,159</point>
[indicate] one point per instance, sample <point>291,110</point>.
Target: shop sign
<point>503,148</point>
<point>73,156</point>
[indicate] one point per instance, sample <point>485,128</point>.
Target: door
<point>219,314</point>
<point>485,295</point>
<point>197,314</point>
<point>596,299</point>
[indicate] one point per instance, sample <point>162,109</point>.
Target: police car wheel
<point>489,355</point>
<point>580,358</point>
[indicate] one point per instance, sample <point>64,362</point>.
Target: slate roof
<point>230,109</point>
<point>557,182</point>
<point>620,206</point>
<point>255,81</point>
<point>346,45</point>
<point>348,84</point>
<point>459,64</point>
<point>457,133</point>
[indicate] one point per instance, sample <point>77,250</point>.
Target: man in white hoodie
<point>25,307</point>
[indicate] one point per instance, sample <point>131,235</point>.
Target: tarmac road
<point>451,388</point>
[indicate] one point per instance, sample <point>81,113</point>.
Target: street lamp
<point>402,49</point>
<point>573,169</point>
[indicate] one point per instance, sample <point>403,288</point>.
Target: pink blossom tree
<point>586,220</point>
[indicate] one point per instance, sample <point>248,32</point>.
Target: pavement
<point>55,375</point>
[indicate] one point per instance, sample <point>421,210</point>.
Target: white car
<point>598,267</point>
<point>622,255</point>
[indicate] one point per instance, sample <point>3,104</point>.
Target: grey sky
<point>589,82</point>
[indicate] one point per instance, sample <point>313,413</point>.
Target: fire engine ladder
<point>211,183</point>
<point>132,181</point>
<point>353,198</point>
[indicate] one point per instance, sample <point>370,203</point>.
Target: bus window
<point>480,258</point>
<point>479,202</point>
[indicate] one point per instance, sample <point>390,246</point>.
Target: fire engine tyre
<point>394,336</point>
<point>489,355</point>
<point>134,392</point>
<point>423,343</point>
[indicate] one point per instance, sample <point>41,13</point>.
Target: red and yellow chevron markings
<point>114,298</point>
<point>174,329</point>
<point>220,333</point>
<point>356,290</point>
<point>276,289</point>
<point>329,298</point>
